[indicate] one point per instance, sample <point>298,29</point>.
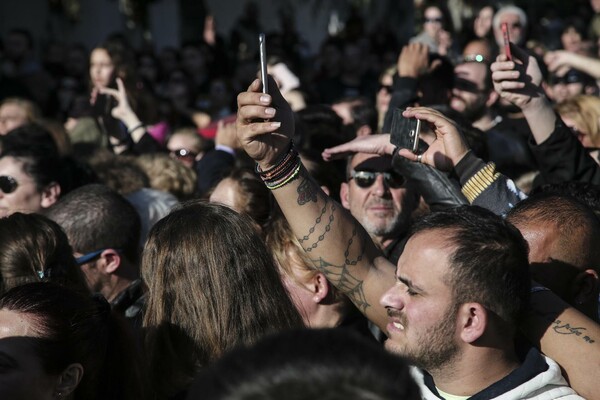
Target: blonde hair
<point>585,111</point>
<point>32,112</point>
<point>168,175</point>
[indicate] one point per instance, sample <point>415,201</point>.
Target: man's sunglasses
<point>8,184</point>
<point>183,153</point>
<point>365,179</point>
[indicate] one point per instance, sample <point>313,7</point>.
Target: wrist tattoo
<point>308,190</point>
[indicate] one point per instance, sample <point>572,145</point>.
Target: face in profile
<point>421,317</point>
<point>22,375</point>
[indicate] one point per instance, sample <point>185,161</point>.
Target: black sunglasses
<point>8,184</point>
<point>433,20</point>
<point>387,88</point>
<point>365,179</point>
<point>183,153</point>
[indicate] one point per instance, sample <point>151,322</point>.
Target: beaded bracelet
<point>288,178</point>
<point>282,160</point>
<point>285,170</point>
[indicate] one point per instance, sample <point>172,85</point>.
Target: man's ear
<point>344,189</point>
<point>321,287</point>
<point>585,286</point>
<point>472,321</point>
<point>110,261</point>
<point>50,194</point>
<point>68,381</point>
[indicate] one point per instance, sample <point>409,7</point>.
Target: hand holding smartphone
<point>263,62</point>
<point>506,41</point>
<point>405,132</point>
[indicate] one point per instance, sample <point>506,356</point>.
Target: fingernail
<point>270,111</point>
<point>275,124</point>
<point>265,99</point>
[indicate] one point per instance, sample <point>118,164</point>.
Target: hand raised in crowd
<point>449,146</point>
<point>518,81</point>
<point>265,123</point>
<point>123,111</point>
<point>560,61</point>
<point>413,60</point>
<point>372,144</point>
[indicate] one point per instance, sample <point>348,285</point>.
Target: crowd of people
<point>173,228</point>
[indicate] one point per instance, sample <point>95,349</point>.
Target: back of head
<point>332,364</point>
<point>73,328</point>
<point>488,261</point>
<point>212,285</point>
<point>577,227</point>
<point>585,192</point>
<point>34,248</point>
<point>96,217</point>
<point>168,175</point>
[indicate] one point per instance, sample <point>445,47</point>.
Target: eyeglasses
<point>365,179</point>
<point>87,257</point>
<point>8,184</point>
<point>183,153</point>
<point>438,20</point>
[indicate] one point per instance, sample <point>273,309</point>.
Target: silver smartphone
<point>263,62</point>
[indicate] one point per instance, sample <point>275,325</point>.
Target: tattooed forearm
<point>347,252</point>
<point>308,190</point>
<point>564,328</point>
<point>317,222</point>
<point>561,327</point>
<point>325,231</point>
<point>344,281</point>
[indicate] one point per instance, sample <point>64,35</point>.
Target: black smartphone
<point>102,109</point>
<point>262,48</point>
<point>405,131</point>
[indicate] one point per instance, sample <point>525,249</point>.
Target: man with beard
<point>380,199</point>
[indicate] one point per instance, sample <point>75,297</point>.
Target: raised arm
<point>333,239</point>
<point>519,82</point>
<point>560,61</point>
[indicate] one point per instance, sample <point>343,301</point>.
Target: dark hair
<point>73,328</point>
<point>332,364</point>
<point>96,217</point>
<point>212,285</point>
<point>34,248</point>
<point>34,146</point>
<point>585,192</point>
<point>489,262</point>
<point>364,112</point>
